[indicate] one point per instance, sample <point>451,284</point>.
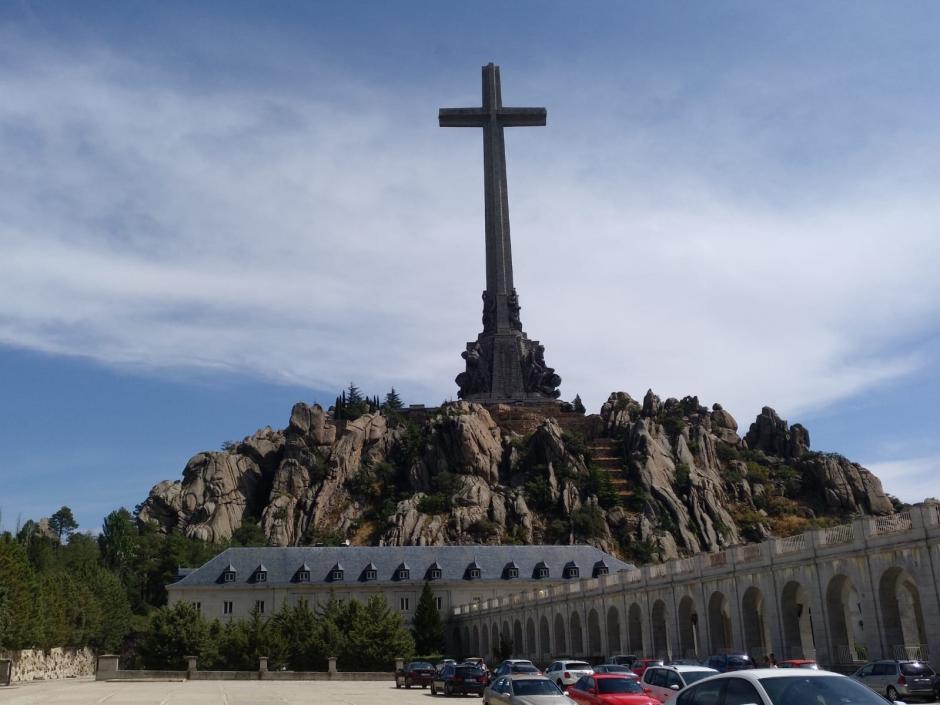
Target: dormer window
<point>261,574</point>
<point>403,572</point>
<point>303,576</point>
<point>371,575</point>
<point>571,570</point>
<point>512,573</point>
<point>370,572</point>
<point>434,574</point>
<point>600,568</point>
<point>336,573</point>
<point>474,573</point>
<point>541,570</point>
<point>228,576</point>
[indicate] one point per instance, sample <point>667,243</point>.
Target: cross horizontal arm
<point>462,117</point>
<point>522,117</point>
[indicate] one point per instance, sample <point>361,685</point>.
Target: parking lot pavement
<point>89,692</point>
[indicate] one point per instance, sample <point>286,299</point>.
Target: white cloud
<point>910,479</point>
<point>337,234</point>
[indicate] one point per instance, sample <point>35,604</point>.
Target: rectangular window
<point>259,605</point>
<point>405,603</point>
<point>439,602</point>
<point>198,606</point>
<point>227,607</point>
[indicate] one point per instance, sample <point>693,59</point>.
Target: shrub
<point>588,522</point>
<point>683,478</point>
<point>434,504</point>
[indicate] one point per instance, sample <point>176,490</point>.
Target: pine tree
<point>353,395</point>
<point>578,404</point>
<point>393,402</point>
<point>428,629</point>
<point>62,523</point>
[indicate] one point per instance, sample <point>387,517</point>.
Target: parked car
<point>730,662</point>
<point>900,680</point>
<point>778,686</point>
<point>475,661</point>
<point>462,678</point>
<point>622,659</point>
<point>443,662</point>
<point>510,666</point>
<point>565,673</point>
<point>664,682</point>
<point>524,689</point>
<point>415,673</point>
<point>615,668</point>
<point>684,662</point>
<point>799,663</point>
<point>641,664</point>
<point>610,689</point>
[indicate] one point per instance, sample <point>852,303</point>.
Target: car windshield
<point>524,668</point>
<point>618,685</point>
<point>469,672</point>
<point>916,669</point>
<point>534,686</point>
<point>818,690</point>
<point>616,669</point>
<point>694,676</point>
<point>739,660</point>
<point>419,665</point>
<point>577,666</point>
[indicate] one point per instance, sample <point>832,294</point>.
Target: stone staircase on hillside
<point>606,455</point>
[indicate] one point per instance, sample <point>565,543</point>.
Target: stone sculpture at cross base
<point>502,364</point>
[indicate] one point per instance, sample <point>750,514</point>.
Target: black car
<point>729,662</point>
<point>459,679</point>
<point>415,673</point>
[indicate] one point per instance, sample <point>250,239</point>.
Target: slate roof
<point>283,563</point>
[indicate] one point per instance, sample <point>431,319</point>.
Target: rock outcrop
<point>648,479</point>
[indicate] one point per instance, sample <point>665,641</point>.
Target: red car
<point>641,664</point>
<point>800,663</point>
<point>610,689</point>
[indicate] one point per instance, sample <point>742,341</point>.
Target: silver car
<point>524,689</point>
<point>900,680</point>
<point>778,686</point>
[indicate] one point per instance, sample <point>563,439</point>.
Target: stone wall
<point>38,665</point>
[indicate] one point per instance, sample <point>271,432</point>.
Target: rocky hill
<point>646,480</point>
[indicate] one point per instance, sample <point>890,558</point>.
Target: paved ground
<point>88,692</point>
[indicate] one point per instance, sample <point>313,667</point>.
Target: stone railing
<point>749,552</point>
<point>791,544</point>
<point>837,535</point>
<point>109,670</point>
<point>891,524</point>
<point>716,560</point>
<point>908,652</point>
<point>52,664</point>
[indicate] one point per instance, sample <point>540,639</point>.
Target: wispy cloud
<point>910,479</point>
<point>335,235</point>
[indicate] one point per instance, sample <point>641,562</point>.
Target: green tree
<point>297,628</point>
<point>392,402</point>
<point>249,533</point>
<point>374,636</point>
<point>427,628</point>
<point>174,633</point>
<point>18,582</point>
<point>62,523</point>
<point>353,395</point>
<point>117,539</point>
<point>578,404</point>
<point>503,648</point>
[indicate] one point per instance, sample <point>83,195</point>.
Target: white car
<point>566,673</point>
<point>778,686</point>
<point>665,681</point>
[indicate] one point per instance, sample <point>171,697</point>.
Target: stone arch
<point>457,643</point>
<point>505,634</point>
<point>561,644</point>
<point>754,617</point>
<point>531,645</point>
<point>545,639</point>
<point>635,629</point>
<point>688,628</point>
<point>613,631</point>
<point>719,622</point>
<point>475,641</point>
<point>797,617</point>
<point>518,645</point>
<point>846,626</point>
<point>485,642</point>
<point>577,634</point>
<point>660,633</point>
<point>594,634</point>
<point>902,614</point>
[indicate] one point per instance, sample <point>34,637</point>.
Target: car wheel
<point>892,693</point>
<point>448,690</point>
<point>561,685</point>
<point>397,683</point>
<point>433,689</point>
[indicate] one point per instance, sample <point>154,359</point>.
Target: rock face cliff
<point>646,480</point>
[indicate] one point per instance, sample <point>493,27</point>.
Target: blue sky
<point>209,211</point>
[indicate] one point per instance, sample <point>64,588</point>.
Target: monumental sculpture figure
<point>502,364</point>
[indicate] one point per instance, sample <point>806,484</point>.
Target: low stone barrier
<point>37,664</point>
<point>108,670</point>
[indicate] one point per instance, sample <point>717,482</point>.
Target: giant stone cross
<point>502,364</point>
